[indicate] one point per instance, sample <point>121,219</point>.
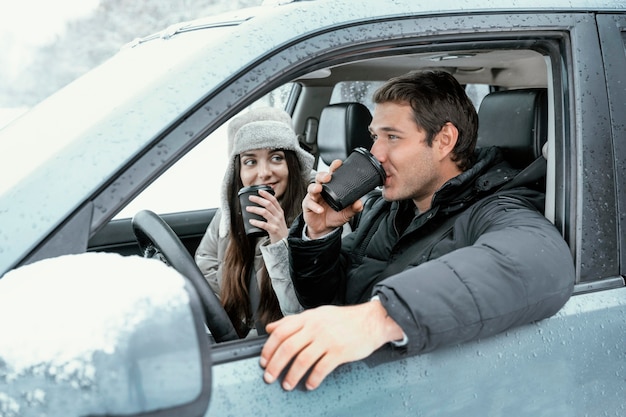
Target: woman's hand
<point>270,209</point>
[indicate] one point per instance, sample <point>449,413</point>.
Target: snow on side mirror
<point>101,334</point>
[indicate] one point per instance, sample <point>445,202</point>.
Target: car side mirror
<point>101,334</point>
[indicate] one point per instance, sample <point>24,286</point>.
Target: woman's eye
<point>248,162</point>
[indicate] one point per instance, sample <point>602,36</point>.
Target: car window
<point>362,92</point>
<point>476,93</point>
<point>359,91</point>
<point>194,182</point>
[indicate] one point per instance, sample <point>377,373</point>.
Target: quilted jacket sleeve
<point>518,270</point>
<point>317,267</point>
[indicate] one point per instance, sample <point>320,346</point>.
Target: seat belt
<point>531,173</point>
<point>255,300</point>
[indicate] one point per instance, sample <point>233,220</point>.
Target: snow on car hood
<point>95,333</point>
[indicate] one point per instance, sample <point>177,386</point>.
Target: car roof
<point>344,11</point>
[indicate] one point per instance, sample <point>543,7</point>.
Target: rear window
<point>362,92</point>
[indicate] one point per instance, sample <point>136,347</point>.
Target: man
<point>443,257</point>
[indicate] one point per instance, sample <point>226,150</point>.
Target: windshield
<point>70,143</point>
<point>69,114</point>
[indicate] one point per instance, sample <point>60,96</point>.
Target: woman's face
<point>265,166</point>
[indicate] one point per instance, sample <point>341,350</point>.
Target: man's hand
<point>323,338</point>
<point>319,217</point>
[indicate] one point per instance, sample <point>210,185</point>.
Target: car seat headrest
<point>516,122</point>
<point>343,127</point>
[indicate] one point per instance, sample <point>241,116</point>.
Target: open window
<point>518,79</point>
<point>194,182</point>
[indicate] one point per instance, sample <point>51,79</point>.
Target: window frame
<point>554,34</point>
<point>612,31</point>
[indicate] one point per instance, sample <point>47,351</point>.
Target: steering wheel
<point>157,237</point>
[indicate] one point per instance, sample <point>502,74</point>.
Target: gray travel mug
<point>359,174</point>
<point>244,201</point>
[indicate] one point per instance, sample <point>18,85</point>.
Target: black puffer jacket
<point>478,262</point>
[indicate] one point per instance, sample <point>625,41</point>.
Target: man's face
<point>412,167</point>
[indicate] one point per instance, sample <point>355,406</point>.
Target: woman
<point>251,275</point>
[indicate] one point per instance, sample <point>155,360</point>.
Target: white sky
<point>31,22</point>
<point>26,24</point>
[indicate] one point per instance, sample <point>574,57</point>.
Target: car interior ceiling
<point>502,68</point>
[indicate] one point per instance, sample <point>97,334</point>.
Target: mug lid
<point>258,187</point>
<point>375,162</point>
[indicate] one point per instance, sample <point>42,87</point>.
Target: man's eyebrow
<point>385,129</point>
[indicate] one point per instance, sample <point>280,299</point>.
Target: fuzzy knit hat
<point>261,128</point>
<point>255,115</point>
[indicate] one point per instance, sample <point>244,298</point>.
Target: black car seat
<point>343,127</point>
<point>517,122</point>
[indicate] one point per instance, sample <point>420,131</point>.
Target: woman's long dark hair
<point>239,255</point>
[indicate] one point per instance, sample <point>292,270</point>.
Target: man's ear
<point>446,139</point>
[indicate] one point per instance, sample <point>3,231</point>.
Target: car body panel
<point>560,366</point>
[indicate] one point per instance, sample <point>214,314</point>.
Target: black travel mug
<point>359,174</point>
<point>244,201</point>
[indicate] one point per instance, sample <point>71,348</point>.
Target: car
<point>131,155</point>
